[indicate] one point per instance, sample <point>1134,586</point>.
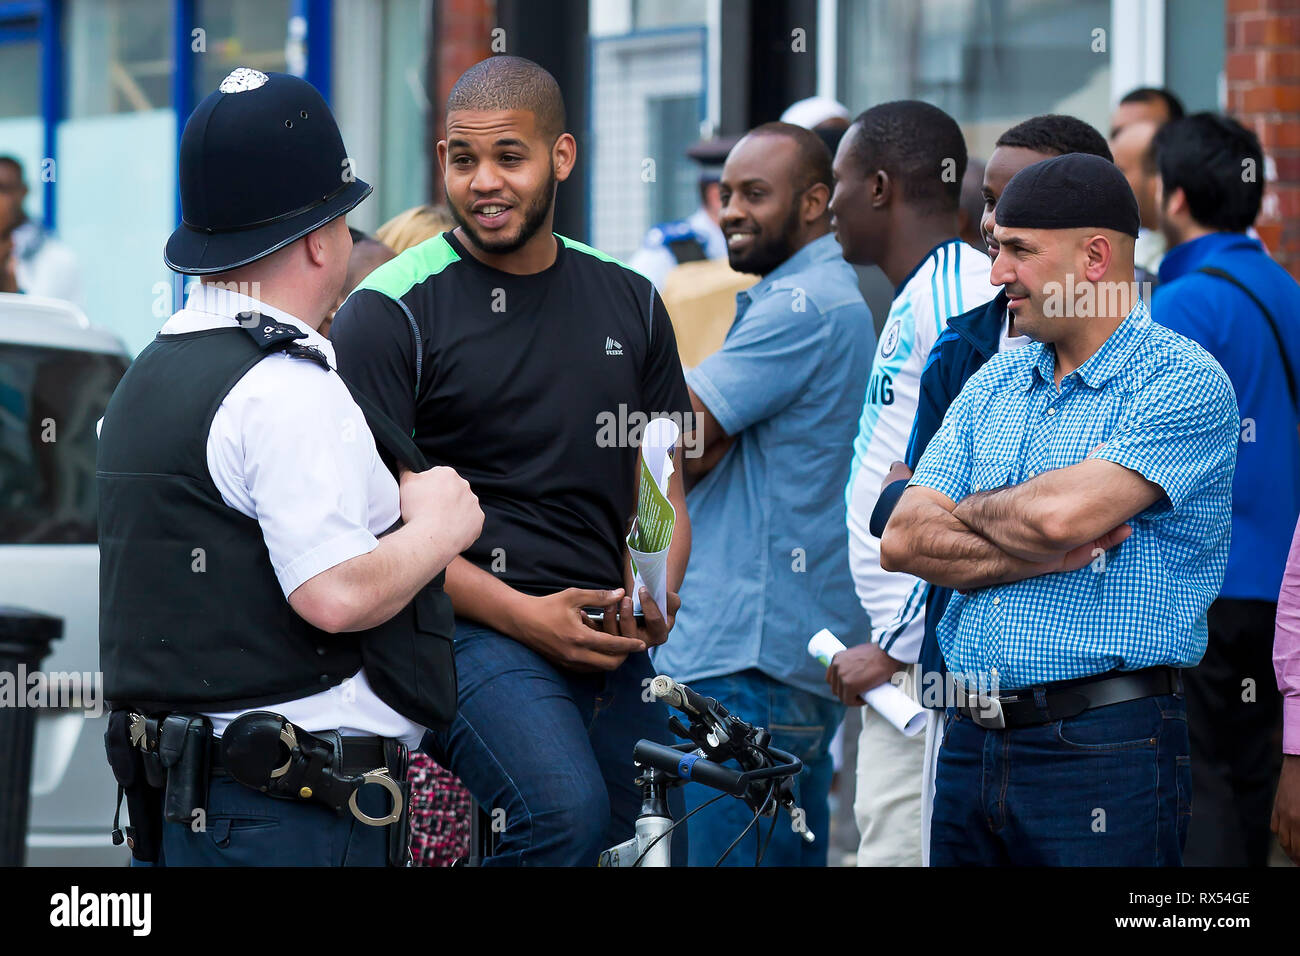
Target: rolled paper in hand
<point>904,714</point>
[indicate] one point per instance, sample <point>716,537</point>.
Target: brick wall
<point>1262,63</point>
<point>463,36</point>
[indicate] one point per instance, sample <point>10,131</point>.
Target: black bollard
<point>25,638</point>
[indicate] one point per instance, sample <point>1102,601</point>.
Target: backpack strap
<point>1272,323</point>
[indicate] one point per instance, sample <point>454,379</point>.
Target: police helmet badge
<point>241,80</point>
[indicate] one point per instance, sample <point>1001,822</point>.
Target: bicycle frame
<point>651,845</point>
<point>712,737</point>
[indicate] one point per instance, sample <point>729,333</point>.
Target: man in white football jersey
<point>898,174</point>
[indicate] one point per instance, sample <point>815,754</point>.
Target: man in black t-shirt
<point>528,362</point>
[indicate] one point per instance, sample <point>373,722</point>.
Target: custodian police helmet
<point>261,164</point>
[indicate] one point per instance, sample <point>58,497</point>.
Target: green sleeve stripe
<point>397,276</point>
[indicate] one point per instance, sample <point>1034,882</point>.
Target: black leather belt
<point>1044,703</point>
<point>360,754</point>
<point>260,750</point>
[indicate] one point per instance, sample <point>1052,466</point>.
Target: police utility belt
<point>264,751</point>
<point>1058,700</point>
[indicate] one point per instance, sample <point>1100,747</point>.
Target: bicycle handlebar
<point>690,766</point>
<point>679,695</point>
<point>699,769</point>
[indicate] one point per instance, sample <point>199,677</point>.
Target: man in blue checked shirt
<point>1078,496</point>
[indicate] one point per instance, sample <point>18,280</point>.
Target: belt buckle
<point>984,710</point>
<point>989,713</point>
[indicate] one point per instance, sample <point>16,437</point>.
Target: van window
<point>50,400</point>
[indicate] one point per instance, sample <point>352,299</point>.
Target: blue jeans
<point>800,723</point>
<point>548,752</point>
<point>1111,786</point>
<point>245,828</point>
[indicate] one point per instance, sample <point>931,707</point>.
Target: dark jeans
<point>1235,730</point>
<point>245,828</point>
<point>800,723</point>
<point>1108,787</point>
<point>548,752</point>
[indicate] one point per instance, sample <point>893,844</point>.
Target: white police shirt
<point>289,447</point>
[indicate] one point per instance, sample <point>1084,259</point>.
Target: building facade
<point>97,91</point>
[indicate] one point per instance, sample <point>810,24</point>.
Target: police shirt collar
<point>212,299</point>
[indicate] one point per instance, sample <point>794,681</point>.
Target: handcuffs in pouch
<point>253,748</point>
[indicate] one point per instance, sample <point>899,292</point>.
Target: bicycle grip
<point>689,766</point>
<point>683,698</point>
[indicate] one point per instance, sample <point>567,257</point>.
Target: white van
<point>57,373</point>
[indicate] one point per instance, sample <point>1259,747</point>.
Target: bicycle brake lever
<point>677,727</point>
<point>798,816</point>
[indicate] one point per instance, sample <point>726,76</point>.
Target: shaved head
<point>511,83</point>
<point>812,158</point>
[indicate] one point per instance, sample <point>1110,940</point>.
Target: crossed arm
<point>1054,522</point>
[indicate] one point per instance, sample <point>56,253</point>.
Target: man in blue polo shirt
<point>1219,288</point>
<point>775,408</point>
<point>1076,496</point>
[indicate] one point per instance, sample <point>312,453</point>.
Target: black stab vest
<point>191,615</point>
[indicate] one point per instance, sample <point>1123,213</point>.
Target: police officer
<point>696,237</point>
<point>273,631</point>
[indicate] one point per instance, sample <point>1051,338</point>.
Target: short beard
<point>535,214</point>
<point>768,254</point>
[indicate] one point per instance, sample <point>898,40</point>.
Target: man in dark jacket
<point>966,344</point>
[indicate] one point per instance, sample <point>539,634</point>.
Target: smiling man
<point>502,347</point>
<point>776,407</point>
<point>966,344</point>
<point>1076,496</point>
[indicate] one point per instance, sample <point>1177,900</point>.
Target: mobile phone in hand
<point>597,615</point>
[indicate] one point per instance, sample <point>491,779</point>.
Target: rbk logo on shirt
<point>613,346</point>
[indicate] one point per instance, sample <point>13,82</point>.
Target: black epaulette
<point>273,336</point>
<point>309,352</point>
